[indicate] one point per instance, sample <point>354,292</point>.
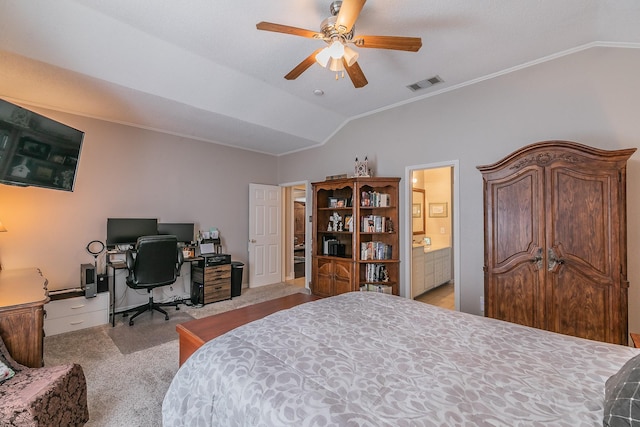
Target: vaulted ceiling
<point>201,69</point>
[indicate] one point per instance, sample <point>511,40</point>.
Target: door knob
<point>553,260</point>
<point>252,240</point>
<point>537,259</point>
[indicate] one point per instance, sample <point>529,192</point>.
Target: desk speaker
<point>103,283</point>
<point>88,280</point>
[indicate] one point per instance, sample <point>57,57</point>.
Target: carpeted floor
<point>149,330</point>
<point>126,386</point>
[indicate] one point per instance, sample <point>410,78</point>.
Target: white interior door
<point>265,224</point>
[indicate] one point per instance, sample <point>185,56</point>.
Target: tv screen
<point>125,231</point>
<point>36,150</point>
<point>182,231</point>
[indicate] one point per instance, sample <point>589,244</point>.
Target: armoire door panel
<point>578,306</point>
<point>513,298</point>
<point>515,218</point>
<point>582,209</point>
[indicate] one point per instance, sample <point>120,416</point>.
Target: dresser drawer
<point>71,314</point>
<point>217,273</point>
<point>217,292</point>
<point>77,305</point>
<point>75,322</point>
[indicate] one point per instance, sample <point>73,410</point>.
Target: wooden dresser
<point>23,293</point>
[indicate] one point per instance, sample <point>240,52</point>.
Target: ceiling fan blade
<point>302,67</point>
<point>411,44</point>
<point>295,31</point>
<point>355,74</point>
<point>348,14</point>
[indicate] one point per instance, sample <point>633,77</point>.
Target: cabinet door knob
<point>537,259</point>
<point>553,260</point>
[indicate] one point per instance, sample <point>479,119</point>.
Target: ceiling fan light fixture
<point>336,49</point>
<point>323,57</point>
<point>336,65</point>
<point>338,32</point>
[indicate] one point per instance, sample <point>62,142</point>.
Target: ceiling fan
<point>338,32</point>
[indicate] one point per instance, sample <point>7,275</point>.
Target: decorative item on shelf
<point>335,222</point>
<point>333,177</point>
<point>362,168</point>
<point>348,220</point>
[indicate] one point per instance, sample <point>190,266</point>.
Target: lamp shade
<point>2,228</point>
<point>336,49</point>
<point>336,65</point>
<point>323,56</point>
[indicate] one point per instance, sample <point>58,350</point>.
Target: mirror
<point>417,211</point>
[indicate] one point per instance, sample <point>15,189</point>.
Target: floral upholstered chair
<point>48,396</point>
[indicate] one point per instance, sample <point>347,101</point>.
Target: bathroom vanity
<point>430,267</point>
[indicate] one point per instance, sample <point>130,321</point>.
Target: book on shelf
<point>372,287</point>
<point>325,243</point>
<point>376,273</point>
<point>375,250</point>
<point>375,199</point>
<point>375,224</point>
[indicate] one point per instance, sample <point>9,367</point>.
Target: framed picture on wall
<point>438,210</point>
<point>418,225</point>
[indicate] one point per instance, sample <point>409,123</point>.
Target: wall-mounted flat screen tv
<point>37,151</point>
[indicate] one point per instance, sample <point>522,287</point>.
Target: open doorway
<point>295,235</point>
<point>432,215</point>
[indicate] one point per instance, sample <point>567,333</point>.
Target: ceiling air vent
<point>423,84</point>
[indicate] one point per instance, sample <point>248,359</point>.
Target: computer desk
<point>122,265</point>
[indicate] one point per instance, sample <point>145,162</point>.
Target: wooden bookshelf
<point>364,254</point>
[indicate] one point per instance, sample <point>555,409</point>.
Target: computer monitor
<point>184,232</point>
<point>123,231</point>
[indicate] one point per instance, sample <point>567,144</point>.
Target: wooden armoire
<point>555,239</point>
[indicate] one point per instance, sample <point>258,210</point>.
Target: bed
<point>370,359</point>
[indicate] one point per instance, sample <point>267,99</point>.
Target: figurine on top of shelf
<point>362,168</point>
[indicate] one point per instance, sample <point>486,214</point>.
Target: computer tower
<point>88,280</point>
<point>197,294</point>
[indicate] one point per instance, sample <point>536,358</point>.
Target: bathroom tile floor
<point>442,296</point>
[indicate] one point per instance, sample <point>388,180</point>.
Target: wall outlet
<point>442,230</point>
<point>482,304</point>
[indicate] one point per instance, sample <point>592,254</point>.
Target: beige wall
<point>129,172</point>
<point>592,97</point>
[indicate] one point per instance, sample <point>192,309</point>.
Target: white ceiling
<point>200,68</point>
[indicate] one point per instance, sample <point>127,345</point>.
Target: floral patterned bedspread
<point>370,359</point>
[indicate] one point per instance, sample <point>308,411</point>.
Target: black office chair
<point>155,261</point>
